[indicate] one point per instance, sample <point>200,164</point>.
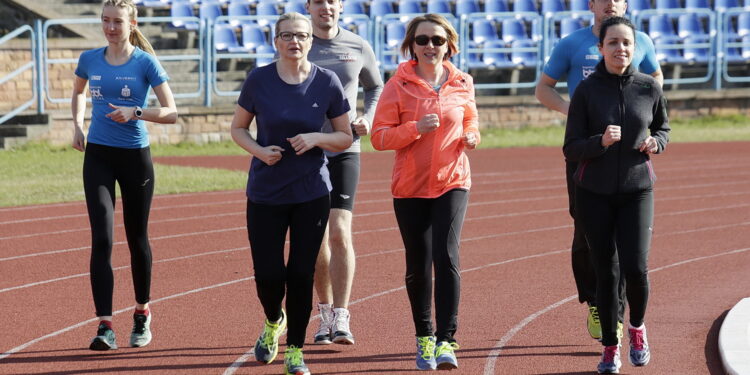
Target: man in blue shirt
<point>575,56</point>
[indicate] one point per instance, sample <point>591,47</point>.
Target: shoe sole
<point>639,364</point>
<point>101,345</point>
<point>323,341</point>
<point>343,340</point>
<point>446,366</point>
<point>134,344</point>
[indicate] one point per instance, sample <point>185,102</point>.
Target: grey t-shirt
<point>353,61</point>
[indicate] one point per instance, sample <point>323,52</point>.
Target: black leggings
<point>133,170</point>
<point>618,230</point>
<point>431,231</point>
<point>267,226</point>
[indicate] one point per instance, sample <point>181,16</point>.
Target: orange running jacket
<point>427,165</point>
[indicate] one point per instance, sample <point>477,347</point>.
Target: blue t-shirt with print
<point>577,55</point>
<point>282,111</point>
<point>122,85</point>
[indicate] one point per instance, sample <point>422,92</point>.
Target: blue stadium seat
<point>379,8</point>
<point>467,7</point>
<point>156,3</point>
<point>525,6</point>
<point>696,55</point>
<point>660,28</point>
<point>264,60</point>
<point>668,4</point>
<point>722,5</point>
<point>667,55</point>
<point>697,4</point>
<point>253,36</point>
<point>512,30</point>
<point>209,10</point>
<point>183,9</point>
<point>569,25</point>
<point>295,6</point>
<point>636,6</point>
<point>483,31</point>
<point>361,27</point>
<point>265,8</point>
<point>496,59</point>
<point>579,5</point>
<point>352,7</point>
<point>526,59</point>
<point>410,6</point>
<point>474,59</point>
<point>550,7</point>
<point>238,8</point>
<point>439,6</point>
<point>225,39</point>
<point>689,25</point>
<point>743,24</point>
<point>394,34</point>
<point>497,6</point>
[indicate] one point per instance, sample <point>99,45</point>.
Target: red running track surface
<point>519,313</point>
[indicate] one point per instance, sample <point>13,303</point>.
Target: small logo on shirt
<point>315,105</point>
<point>145,182</point>
<point>592,57</point>
<point>587,70</point>
<point>344,196</point>
<point>96,93</point>
<point>96,78</point>
<point>125,91</point>
<point>346,57</point>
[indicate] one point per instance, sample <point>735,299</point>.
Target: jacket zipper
<point>622,131</point>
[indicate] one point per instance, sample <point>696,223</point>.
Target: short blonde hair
<point>411,31</point>
<point>292,16</point>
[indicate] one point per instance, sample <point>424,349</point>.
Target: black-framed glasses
<point>287,36</point>
<point>437,40</point>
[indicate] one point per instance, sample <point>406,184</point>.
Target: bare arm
<point>659,77</point>
<point>240,134</point>
<point>78,109</point>
<point>166,114</point>
<point>547,95</point>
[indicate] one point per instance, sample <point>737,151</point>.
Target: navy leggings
<point>267,227</point>
<point>133,170</point>
<point>431,230</point>
<point>618,230</point>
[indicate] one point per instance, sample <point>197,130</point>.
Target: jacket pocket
<point>581,169</point>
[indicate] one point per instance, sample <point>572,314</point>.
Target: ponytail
<point>137,39</point>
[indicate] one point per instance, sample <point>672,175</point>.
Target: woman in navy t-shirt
<point>119,77</point>
<point>288,184</point>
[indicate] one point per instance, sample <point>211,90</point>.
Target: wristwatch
<point>138,112</point>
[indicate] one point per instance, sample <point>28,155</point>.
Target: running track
<point>519,313</point>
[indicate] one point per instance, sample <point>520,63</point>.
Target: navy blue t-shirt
<point>282,111</point>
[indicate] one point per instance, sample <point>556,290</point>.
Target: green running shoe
<point>294,364</point>
<point>593,324</point>
<point>267,346</point>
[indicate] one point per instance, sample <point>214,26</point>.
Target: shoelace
<point>341,322</point>
<point>609,354</point>
<point>594,314</point>
<point>427,347</point>
<point>293,356</point>
<point>326,320</point>
<point>102,330</point>
<point>636,339</point>
<point>140,324</point>
<point>447,348</point>
<point>269,332</point>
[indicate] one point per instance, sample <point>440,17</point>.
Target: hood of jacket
<point>457,82</point>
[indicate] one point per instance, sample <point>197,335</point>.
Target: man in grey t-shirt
<point>353,60</point>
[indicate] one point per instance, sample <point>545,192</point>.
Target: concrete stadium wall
<point>201,124</point>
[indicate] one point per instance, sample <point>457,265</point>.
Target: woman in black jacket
<point>617,119</point>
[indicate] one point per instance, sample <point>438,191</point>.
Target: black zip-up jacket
<point>634,101</point>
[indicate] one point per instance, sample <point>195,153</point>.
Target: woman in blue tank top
<point>119,77</point>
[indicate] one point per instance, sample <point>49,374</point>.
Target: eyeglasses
<point>287,36</point>
<point>437,40</point>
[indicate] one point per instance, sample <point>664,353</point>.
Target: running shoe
<point>593,324</point>
<point>294,364</point>
<point>619,332</point>
<point>445,355</point>
<point>323,336</point>
<point>104,340</point>
<point>141,334</point>
<point>340,329</point>
<point>610,363</point>
<point>426,353</point>
<point>267,346</point>
<point>640,354</point>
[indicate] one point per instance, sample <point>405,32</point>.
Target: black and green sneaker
<point>104,340</point>
<point>267,346</point>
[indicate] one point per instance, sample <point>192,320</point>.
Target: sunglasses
<point>437,40</point>
<point>287,36</point>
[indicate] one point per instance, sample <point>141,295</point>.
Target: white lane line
<point>489,367</point>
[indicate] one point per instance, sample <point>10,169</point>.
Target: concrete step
<point>24,128</point>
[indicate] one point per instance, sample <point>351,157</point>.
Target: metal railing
<point>31,65</point>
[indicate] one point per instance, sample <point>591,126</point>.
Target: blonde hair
<point>136,37</point>
<point>292,16</point>
<point>407,46</point>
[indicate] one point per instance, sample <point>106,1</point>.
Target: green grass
<point>38,173</point>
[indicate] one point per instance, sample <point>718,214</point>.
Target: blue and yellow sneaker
<point>267,346</point>
<point>294,364</point>
<point>426,353</point>
<point>105,338</point>
<point>593,324</point>
<point>445,355</point>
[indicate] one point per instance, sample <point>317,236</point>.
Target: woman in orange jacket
<point>427,113</point>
